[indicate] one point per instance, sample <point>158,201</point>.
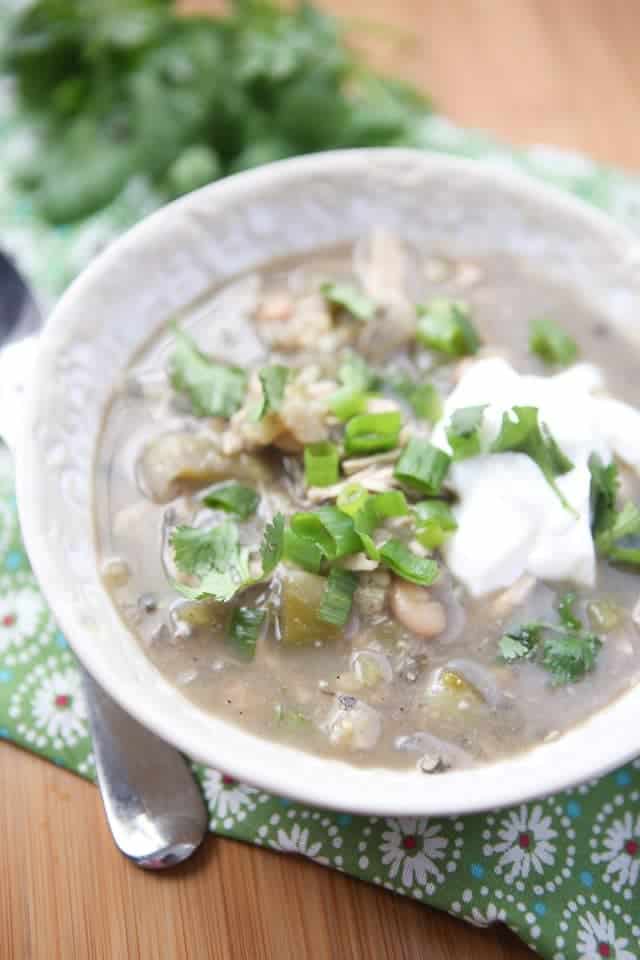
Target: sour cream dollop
<point>510,520</point>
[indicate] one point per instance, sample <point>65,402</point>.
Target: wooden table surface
<point>529,71</point>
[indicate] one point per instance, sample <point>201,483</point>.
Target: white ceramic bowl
<point>436,203</point>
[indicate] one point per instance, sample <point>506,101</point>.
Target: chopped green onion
<point>214,389</point>
<point>435,522</point>
<point>330,529</point>
<point>244,630</point>
<point>345,296</point>
<point>551,343</point>
<point>392,503</point>
<point>357,379</point>
<point>423,466</point>
<point>423,398</point>
<point>372,432</point>
<point>408,565</point>
<point>233,498</point>
<point>463,432</point>
<point>352,498</point>
<point>444,326</point>
<point>335,606</point>
<point>321,464</point>
<point>346,403</point>
<point>302,552</point>
<point>273,380</point>
<point>425,402</point>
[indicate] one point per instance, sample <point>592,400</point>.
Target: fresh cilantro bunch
<point>114,89</point>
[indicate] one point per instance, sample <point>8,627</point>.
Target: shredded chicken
<point>507,600</point>
<point>375,480</point>
<point>356,464</point>
<point>301,419</point>
<point>294,325</point>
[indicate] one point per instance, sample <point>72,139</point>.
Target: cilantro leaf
<point>520,643</point>
<point>463,432</point>
<point>566,650</point>
<point>521,432</point>
<point>273,380</point>
<point>612,527</point>
<point>233,498</point>
<point>272,545</point>
<point>604,491</point>
<point>551,343</point>
<point>197,551</point>
<point>569,654</point>
<point>214,389</point>
<point>216,557</point>
<point>565,611</point>
<point>344,296</point>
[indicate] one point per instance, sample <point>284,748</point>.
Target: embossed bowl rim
<point>161,264</point>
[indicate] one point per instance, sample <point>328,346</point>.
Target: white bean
<point>414,609</point>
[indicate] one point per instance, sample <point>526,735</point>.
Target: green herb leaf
<point>273,380</point>
<point>569,654</point>
<point>521,432</point>
<point>345,296</point>
<point>423,466</point>
<point>604,492</point>
<point>551,343</point>
<point>330,529</point>
<point>408,565</point>
<point>335,606</point>
<point>272,545</point>
<point>215,390</point>
<point>463,431</point>
<point>372,433</point>
<point>612,527</point>
<point>445,326</point>
<point>217,559</point>
<point>520,643</point>
<point>234,498</point>
<point>196,551</point>
<point>565,611</point>
<point>321,464</point>
<point>423,398</point>
<point>435,523</point>
<point>244,629</point>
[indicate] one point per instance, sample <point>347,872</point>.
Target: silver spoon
<point>153,805</point>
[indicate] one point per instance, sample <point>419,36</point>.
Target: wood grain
<point>529,71</point>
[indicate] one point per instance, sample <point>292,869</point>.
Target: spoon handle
<point>153,805</point>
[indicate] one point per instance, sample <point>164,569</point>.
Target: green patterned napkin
<point>563,873</point>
